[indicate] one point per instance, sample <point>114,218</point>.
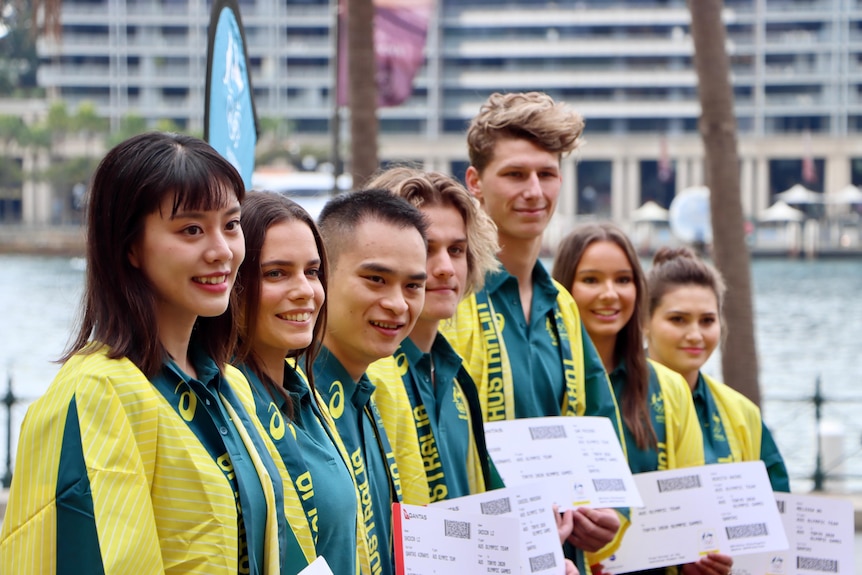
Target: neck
<point>519,256</point>
<point>691,378</point>
<point>605,346</point>
<point>354,367</point>
<point>424,333</point>
<point>272,365</point>
<point>176,339</point>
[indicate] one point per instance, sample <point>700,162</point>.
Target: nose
<point>395,302</point>
<point>693,334</point>
<point>533,186</point>
<point>219,248</point>
<point>301,289</point>
<point>609,291</point>
<point>440,265</point>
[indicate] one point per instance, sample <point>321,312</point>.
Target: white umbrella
<point>650,212</point>
<point>847,195</point>
<point>799,194</point>
<point>781,212</point>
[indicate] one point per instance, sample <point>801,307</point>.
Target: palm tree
<point>718,130</point>
<point>362,67</point>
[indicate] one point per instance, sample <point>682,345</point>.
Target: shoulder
<point>384,371</point>
<point>735,401</point>
<point>567,306</point>
<point>673,385</point>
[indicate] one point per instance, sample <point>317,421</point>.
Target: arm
<point>80,499</point>
<point>775,467</point>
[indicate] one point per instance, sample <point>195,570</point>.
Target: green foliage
<point>130,125</point>
<point>64,174</point>
<point>13,129</point>
<point>18,58</point>
<point>87,120</point>
<point>11,174</point>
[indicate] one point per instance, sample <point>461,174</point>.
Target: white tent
<point>846,195</point>
<point>799,194</point>
<point>650,212</point>
<point>781,212</point>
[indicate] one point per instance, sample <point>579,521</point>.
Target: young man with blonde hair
<point>521,336</point>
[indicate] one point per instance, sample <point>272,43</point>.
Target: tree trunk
<point>362,68</point>
<point>718,129</point>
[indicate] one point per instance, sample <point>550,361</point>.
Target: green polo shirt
<point>640,460</point>
<point>361,430</point>
<point>323,480</point>
<point>537,369</point>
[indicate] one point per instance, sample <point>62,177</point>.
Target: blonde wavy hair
<point>534,116</point>
<point>428,189</point>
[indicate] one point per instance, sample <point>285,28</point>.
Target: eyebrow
<point>197,215</point>
<point>287,263</point>
<point>593,271</point>
<point>680,312</point>
<point>455,241</point>
<point>380,268</point>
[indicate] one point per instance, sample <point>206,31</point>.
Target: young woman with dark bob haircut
<point>141,456</point>
<point>282,301</point>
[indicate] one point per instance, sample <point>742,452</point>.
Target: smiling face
<point>518,188</point>
<point>447,262</point>
<point>605,290</point>
<point>291,293</point>
<point>684,330</point>
<point>190,261</point>
<point>376,293</point>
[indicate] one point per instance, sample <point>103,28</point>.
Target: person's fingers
<point>593,528</point>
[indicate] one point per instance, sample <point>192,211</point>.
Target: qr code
<point>609,485</point>
<point>814,564</point>
<point>746,531</point>
<point>781,506</point>
<point>679,483</point>
<point>548,432</point>
<point>456,529</point>
<point>542,562</point>
<point>497,506</point>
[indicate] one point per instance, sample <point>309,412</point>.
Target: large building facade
<point>626,65</point>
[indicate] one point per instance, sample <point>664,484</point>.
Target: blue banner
<point>230,119</point>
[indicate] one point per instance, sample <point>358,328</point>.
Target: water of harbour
<point>808,324</point>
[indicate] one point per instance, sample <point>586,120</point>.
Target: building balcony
<point>602,78</point>
<point>519,48</point>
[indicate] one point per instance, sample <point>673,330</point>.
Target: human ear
<point>473,180</point>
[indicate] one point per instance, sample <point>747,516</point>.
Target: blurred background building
<point>626,65</point>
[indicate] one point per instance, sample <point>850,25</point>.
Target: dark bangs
<point>201,184</point>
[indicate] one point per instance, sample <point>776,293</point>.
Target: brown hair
<point>131,182</point>
<point>261,211</point>
<point>533,116</point>
<point>629,343</point>
<point>675,267</point>
<point>435,189</point>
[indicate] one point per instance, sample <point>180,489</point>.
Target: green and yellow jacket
<point>733,430</point>
<point>110,478</point>
<point>423,472</point>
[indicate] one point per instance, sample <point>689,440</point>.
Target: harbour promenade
<point>50,240</point>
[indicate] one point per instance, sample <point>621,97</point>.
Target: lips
<point>386,326</point>
<point>210,280</point>
<point>606,314</point>
<point>295,316</point>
